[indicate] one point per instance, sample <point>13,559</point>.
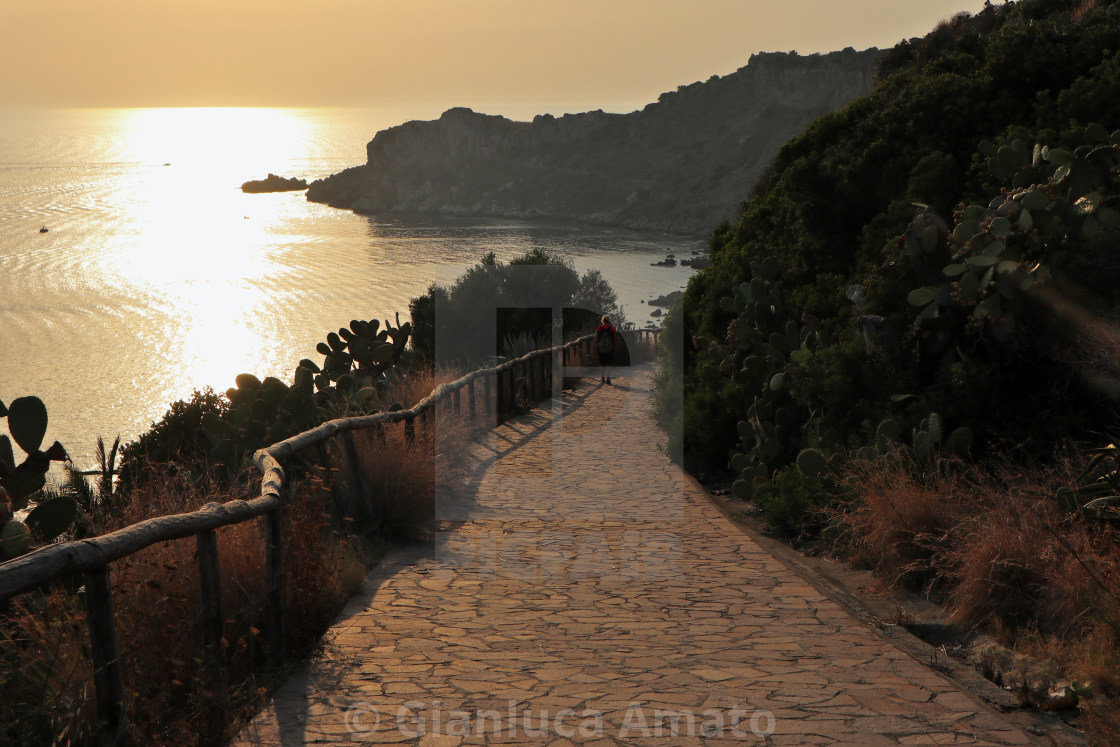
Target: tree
<point>469,322</point>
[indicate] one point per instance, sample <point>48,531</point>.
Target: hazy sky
<point>549,55</point>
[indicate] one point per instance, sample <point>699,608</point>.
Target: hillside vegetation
<point>831,211</point>
<point>907,348</point>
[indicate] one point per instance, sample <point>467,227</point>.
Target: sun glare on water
<point>197,248</point>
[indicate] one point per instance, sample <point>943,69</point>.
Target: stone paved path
<point>583,591</point>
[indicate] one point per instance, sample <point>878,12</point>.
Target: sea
<point>134,270</point>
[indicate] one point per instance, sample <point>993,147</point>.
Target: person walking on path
<point>606,342</point>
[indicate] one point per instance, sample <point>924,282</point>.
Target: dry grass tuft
<point>902,517</point>
<point>393,490</point>
<point>993,542</point>
<point>1002,554</point>
<point>641,350</point>
<point>1018,564</point>
<point>157,597</point>
<point>1080,9</point>
<point>45,672</point>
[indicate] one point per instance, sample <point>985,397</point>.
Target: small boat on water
<point>44,229</point>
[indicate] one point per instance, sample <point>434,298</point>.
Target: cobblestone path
<point>581,590</point>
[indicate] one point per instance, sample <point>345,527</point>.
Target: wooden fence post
<point>500,396</point>
<point>354,466</point>
<point>530,383</point>
<point>210,583</point>
<point>542,377</point>
<point>103,645</point>
<point>274,584</point>
<point>535,378</point>
<point>470,401</point>
<point>487,395</point>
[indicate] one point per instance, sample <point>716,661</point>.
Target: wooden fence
<point>532,376</point>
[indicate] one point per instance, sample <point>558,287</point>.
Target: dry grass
<point>998,550</point>
<point>158,617</point>
<point>994,543</point>
<point>1078,10</point>
<point>902,517</point>
<point>394,489</point>
<point>1022,564</point>
<point>45,672</point>
<point>641,350</point>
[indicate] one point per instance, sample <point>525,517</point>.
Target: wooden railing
<point>533,376</point>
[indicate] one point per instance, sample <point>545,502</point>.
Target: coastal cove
<point>158,276</point>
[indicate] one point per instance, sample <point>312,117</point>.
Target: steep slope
<point>833,205</point>
<point>682,164</point>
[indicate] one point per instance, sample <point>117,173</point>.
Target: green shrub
<point>790,502</point>
<point>179,437</point>
<point>494,301</point>
<point>834,204</point>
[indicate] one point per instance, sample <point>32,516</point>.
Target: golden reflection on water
<point>155,280</point>
<point>199,244</point>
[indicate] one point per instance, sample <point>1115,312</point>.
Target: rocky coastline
<point>682,164</point>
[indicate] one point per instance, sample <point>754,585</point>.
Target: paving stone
<point>580,584</point>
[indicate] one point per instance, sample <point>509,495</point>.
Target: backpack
<point>606,340</point>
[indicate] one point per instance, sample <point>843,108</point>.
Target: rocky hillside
<point>681,164</point>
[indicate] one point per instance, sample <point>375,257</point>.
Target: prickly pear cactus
<point>926,440</point>
<point>27,423</point>
<point>761,346</point>
<point>356,363</point>
<point>1059,203</point>
<point>364,349</point>
<point>260,413</point>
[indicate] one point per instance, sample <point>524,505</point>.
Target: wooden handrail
<point>92,556</point>
<point>53,561</point>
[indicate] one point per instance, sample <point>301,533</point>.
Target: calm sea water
<point>158,276</point>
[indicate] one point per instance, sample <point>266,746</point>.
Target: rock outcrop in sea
<point>273,183</point>
<point>682,164</point>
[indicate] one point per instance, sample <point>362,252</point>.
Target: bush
<point>178,439</point>
<point>791,503</point>
<point>833,204</point>
<point>493,301</point>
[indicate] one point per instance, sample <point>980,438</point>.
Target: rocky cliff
<point>681,164</point>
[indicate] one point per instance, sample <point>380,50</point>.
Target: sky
<point>544,55</point>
